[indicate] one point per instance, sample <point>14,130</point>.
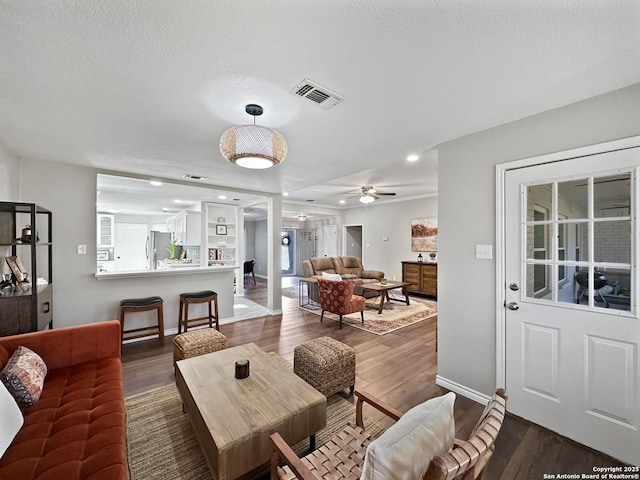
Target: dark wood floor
<point>399,368</point>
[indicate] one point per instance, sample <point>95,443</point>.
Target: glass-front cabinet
<point>26,300</point>
<point>106,229</point>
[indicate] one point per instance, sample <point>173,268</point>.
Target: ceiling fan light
<point>366,198</point>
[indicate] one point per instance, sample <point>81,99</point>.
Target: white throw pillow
<point>404,451</point>
<point>331,276</point>
<point>11,419</point>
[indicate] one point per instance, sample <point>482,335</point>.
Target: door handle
<point>513,306</point>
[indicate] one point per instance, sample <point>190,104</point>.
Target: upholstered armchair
<point>336,296</point>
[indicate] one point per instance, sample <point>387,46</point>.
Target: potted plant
<point>432,255</point>
<point>172,250</point>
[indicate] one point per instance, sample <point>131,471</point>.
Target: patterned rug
<point>161,443</point>
<point>394,315</point>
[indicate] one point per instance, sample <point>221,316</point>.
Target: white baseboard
<point>462,390</point>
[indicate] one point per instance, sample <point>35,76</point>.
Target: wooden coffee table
<point>383,291</point>
<point>232,419</point>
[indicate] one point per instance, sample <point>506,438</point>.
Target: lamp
<point>252,146</point>
<point>366,198</point>
<point>302,217</point>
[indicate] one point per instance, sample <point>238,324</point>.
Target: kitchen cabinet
<point>422,276</point>
<point>27,305</point>
<point>186,228</point>
<point>106,229</point>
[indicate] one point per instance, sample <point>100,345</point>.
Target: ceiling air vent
<point>317,94</point>
<point>194,177</point>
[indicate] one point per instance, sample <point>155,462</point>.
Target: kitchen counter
<point>175,269</point>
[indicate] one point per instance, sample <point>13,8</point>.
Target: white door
<point>130,244</point>
<point>330,241</point>
<point>571,326</point>
<point>306,241</point>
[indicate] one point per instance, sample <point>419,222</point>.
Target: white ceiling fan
<point>370,194</point>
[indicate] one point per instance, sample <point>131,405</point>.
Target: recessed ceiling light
<point>177,201</point>
<point>112,210</point>
<point>222,197</point>
<point>412,158</point>
<point>155,183</point>
<point>285,194</point>
<point>165,209</point>
<point>343,201</point>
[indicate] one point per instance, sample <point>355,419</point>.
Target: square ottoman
<point>197,342</point>
<point>326,364</point>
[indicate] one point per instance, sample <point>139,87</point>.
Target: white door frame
<point>501,170</point>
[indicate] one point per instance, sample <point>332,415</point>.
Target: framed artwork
<point>221,229</point>
<point>17,269</point>
<point>424,234</point>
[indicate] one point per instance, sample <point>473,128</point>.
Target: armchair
<point>343,456</point>
<point>336,296</point>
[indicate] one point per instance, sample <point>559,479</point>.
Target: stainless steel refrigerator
<point>157,248</point>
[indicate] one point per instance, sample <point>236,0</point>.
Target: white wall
<point>466,216</point>
<point>9,175</point>
<point>391,220</point>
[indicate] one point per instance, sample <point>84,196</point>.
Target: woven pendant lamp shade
<point>252,146</point>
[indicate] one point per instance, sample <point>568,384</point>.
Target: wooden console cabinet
<point>422,276</point>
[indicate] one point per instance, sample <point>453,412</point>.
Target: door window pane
<point>537,281</point>
<point>612,242</point>
<point>611,196</point>
<point>573,199</point>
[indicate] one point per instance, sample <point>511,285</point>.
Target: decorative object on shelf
<point>221,220</point>
<point>420,259</point>
<point>432,255</point>
<point>286,240</point>
<point>221,229</point>
<point>252,146</point>
<point>242,369</point>
<point>26,234</point>
<point>424,234</point>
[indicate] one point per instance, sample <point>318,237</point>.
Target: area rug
<point>161,443</point>
<point>394,315</point>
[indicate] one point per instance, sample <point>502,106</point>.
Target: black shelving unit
<point>26,306</point>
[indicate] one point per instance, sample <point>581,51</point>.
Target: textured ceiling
<point>148,87</point>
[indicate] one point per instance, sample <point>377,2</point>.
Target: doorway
<point>130,242</point>
<point>306,242</point>
<point>568,296</point>
<point>288,241</point>
<point>353,241</point>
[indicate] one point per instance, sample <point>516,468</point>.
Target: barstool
<point>141,305</point>
<point>206,296</point>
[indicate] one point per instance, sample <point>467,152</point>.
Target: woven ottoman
<point>326,364</point>
<point>197,342</point>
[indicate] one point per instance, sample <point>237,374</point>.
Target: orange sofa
<point>77,429</point>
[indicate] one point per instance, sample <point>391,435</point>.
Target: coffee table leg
<point>382,298</point>
<point>312,442</point>
<point>406,294</point>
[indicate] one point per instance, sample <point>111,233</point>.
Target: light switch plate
<point>82,249</point>
<point>484,252</point>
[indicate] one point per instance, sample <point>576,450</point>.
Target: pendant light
<point>253,146</point>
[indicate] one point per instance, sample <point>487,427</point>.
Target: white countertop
<point>182,269</point>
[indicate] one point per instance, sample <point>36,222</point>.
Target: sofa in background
<point>77,429</point>
<point>349,268</point>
